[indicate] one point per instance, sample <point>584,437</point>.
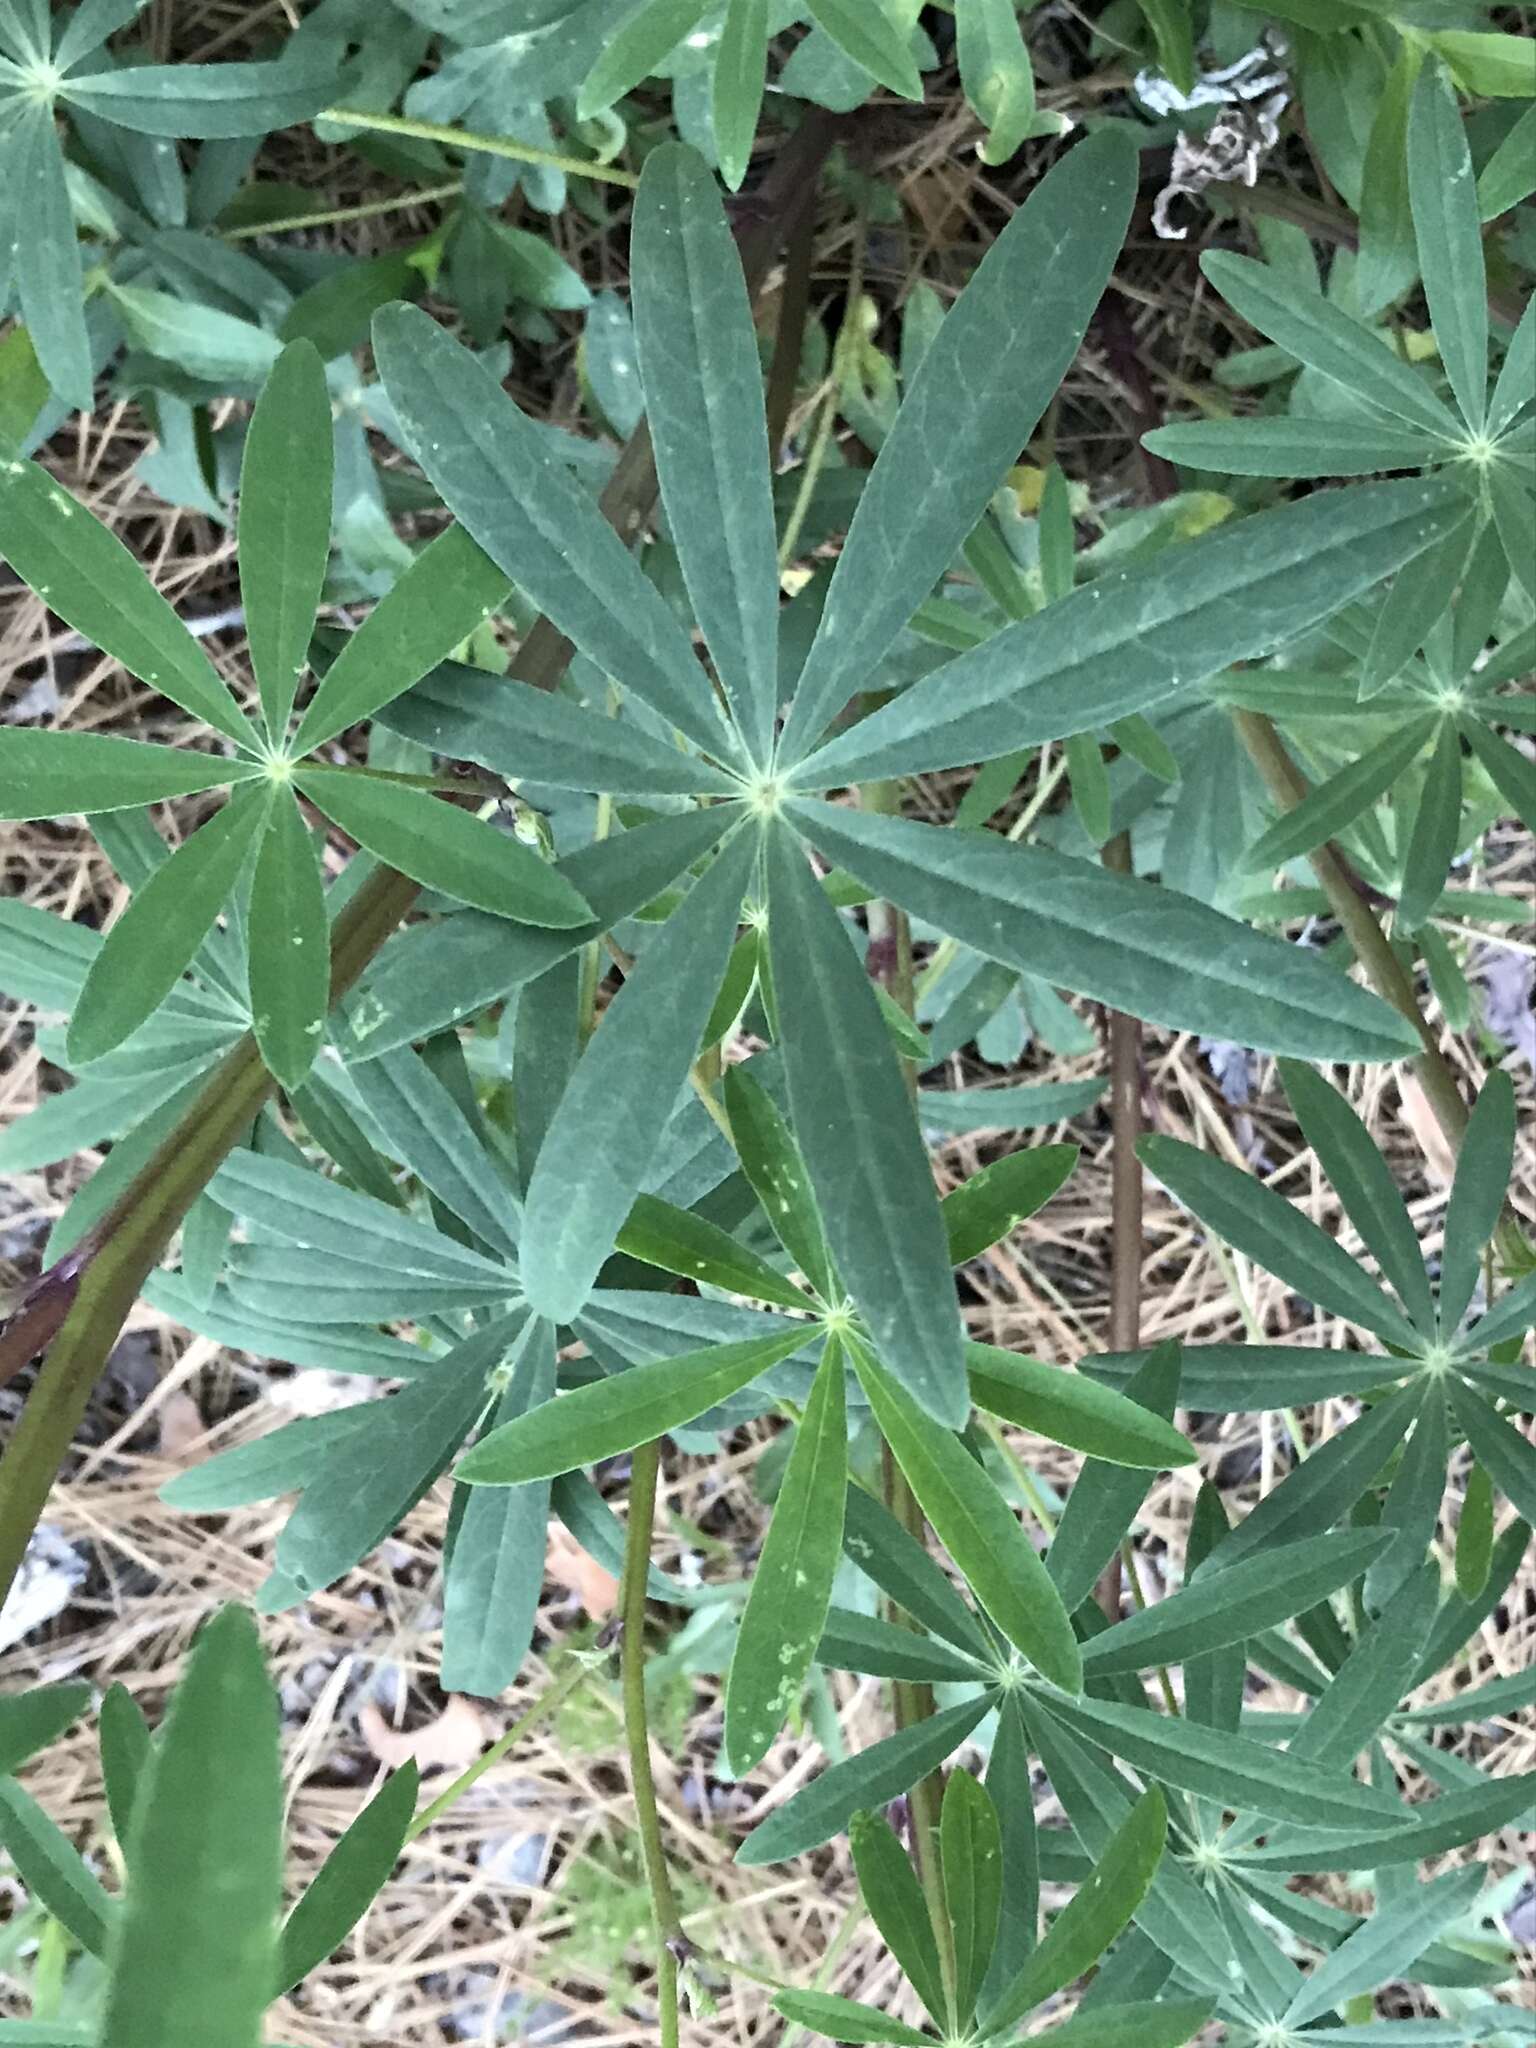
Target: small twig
<point>479,145</point>
<point>336,216</point>
<point>671,1941</point>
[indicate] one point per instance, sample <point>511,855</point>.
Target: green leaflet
<point>364,1487</point>
<point>792,1586</point>
<point>62,774</point>
<point>845,2019</point>
<point>1295,447</point>
<point>645,40</point>
<point>741,63</point>
<point>1431,1829</point>
<point>1321,1491</point>
<point>1309,327</point>
<point>123,1736</point>
<point>417,1121</point>
<point>208,1826</point>
<point>610,1416</point>
<point>88,577</point>
<point>899,1565</point>
<point>1477,1194</point>
<point>997,75</point>
<point>1385,1946</point>
<point>590,1164</point>
<point>854,1120</point>
<point>864,31</point>
<point>1363,1182</point>
<point>1411,1510</point>
<point>977,1527</point>
<point>983,383</point>
<point>1413,605</point>
<point>1504,1453</point>
<point>1378,1672</point>
<point>534,519</point>
<point>888,1649</point>
<point>290,945</point>
<point>348,1881</point>
<point>971,1854</point>
<point>1388,258</point>
<point>1233,1770</point>
<point>1220,1607</point>
<point>48,276</point>
<point>51,1868</point>
<point>1446,225</point>
<point>202,101</point>
<point>1513,391</point>
<point>299,1207</point>
<point>890,1890</point>
<point>1105,1497</point>
<point>495,1571</point>
<point>1140,634</point>
<point>995,1201</point>
<point>771,1160</point>
<point>1474,1534</point>
<point>703,386</point>
<point>452,587</point>
<point>1072,1409</point>
<point>1229,1379</point>
<point>527,733</point>
<point>1436,833</point>
<point>677,1241</point>
<point>1167,2024</point>
<point>285,524</point>
<point>282,1461</point>
<point>1510,773</point>
<point>150,947</point>
<point>1096,1913</point>
<point>1510,1315</point>
<point>1005,1109</point>
<point>1137,947</point>
<point>1266,1227</point>
<point>860,1784</point>
<point>1335,805</point>
<point>442,847</point>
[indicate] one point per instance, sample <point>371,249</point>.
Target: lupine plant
<point>466,1117</point>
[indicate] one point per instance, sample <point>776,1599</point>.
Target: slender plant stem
<point>911,1701</point>
<point>1385,972</point>
<point>1125,1195</point>
<point>637,1556</point>
<point>479,145</point>
<point>551,1698</point>
<point>335,216</point>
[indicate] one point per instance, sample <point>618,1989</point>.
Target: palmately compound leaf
<point>150,947</point>
<point>977,1527</point>
<point>983,383</point>
<point>1139,635</point>
<point>285,525</point>
<point>703,384</point>
<point>591,1163</point>
<point>207,1828</point>
<point>792,1586</point>
<point>1131,944</point>
<point>854,1121</point>
<point>83,572</point>
<point>500,480</point>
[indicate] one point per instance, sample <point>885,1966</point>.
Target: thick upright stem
<point>670,1939</point>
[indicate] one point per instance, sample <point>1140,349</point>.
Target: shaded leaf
<point>285,524</point>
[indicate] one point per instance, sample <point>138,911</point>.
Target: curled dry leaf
<point>449,1743</point>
